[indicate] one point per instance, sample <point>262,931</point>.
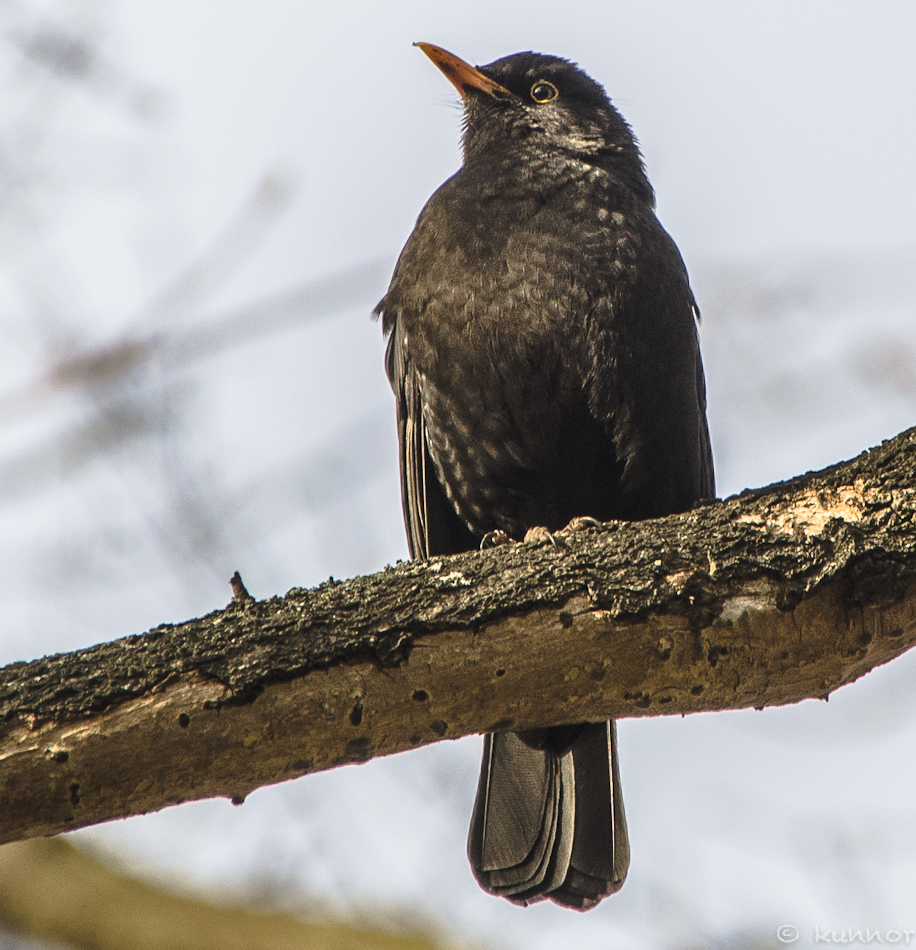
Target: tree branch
<point>767,598</point>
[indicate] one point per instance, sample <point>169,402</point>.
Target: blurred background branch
<point>51,890</point>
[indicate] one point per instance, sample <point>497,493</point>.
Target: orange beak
<point>461,74</point>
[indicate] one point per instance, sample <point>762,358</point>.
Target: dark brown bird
<point>543,352</point>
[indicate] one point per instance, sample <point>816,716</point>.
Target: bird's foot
<point>493,539</point>
<point>579,524</point>
<point>540,536</point>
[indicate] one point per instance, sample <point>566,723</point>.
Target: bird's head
<point>543,106</point>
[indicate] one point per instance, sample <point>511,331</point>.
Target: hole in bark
<point>420,695</point>
<point>356,713</point>
<point>500,672</point>
<point>184,720</point>
<point>60,756</point>
<point>358,747</point>
<point>642,700</point>
<point>566,620</point>
<point>439,727</point>
<point>237,799</point>
<point>696,690</point>
<point>75,793</point>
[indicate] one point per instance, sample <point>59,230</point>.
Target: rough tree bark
<point>767,598</point>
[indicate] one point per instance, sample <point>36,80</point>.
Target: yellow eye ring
<point>543,91</point>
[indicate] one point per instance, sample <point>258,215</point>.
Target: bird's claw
<point>493,539</point>
<point>540,535</point>
<point>579,524</point>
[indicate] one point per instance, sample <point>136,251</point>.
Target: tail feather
<point>517,799</point>
<point>601,848</point>
<point>550,823</point>
<point>544,867</point>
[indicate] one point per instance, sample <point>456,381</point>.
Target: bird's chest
<point>507,329</point>
<point>505,305</point>
<point>500,347</point>
<point>506,289</point>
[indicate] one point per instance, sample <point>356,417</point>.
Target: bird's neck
<point>523,172</point>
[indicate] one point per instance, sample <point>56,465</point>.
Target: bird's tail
<point>548,821</point>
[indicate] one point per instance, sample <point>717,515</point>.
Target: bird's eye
<point>543,91</point>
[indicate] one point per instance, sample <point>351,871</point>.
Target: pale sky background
<point>781,141</point>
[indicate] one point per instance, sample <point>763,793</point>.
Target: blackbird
<point>543,352</point>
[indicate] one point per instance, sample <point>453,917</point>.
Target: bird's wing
<point>432,525</point>
<point>707,472</point>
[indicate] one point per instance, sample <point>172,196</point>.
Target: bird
<point>543,350</point>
